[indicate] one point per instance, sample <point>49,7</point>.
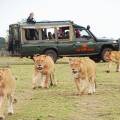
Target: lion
<point>113,57</point>
<point>44,69</point>
<point>7,88</point>
<point>84,73</point>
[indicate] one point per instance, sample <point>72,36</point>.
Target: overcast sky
<point>102,15</point>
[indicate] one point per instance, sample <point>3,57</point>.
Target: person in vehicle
<point>31,33</point>
<point>77,33</point>
<point>60,33</point>
<point>50,36</point>
<point>31,19</point>
<point>67,35</point>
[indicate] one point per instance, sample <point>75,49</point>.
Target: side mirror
<point>88,27</point>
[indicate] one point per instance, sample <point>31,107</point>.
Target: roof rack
<point>67,21</point>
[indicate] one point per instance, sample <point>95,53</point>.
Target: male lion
<point>113,56</point>
<point>43,71</point>
<point>84,72</point>
<point>7,87</point>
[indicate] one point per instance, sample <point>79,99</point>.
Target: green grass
<point>60,102</point>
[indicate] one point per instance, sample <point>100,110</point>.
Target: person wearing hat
<point>31,33</point>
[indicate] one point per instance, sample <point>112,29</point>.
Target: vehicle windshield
<point>82,32</point>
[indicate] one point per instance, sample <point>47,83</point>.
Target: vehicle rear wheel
<point>52,54</point>
<point>104,53</point>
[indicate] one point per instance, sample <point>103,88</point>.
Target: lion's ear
<point>34,57</point>
<point>108,53</point>
<point>70,60</point>
<point>45,55</point>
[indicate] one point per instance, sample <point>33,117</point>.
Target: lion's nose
<point>73,69</point>
<point>39,65</point>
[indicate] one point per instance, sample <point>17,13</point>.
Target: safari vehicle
<point>57,39</point>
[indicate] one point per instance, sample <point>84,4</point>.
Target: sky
<point>102,15</point>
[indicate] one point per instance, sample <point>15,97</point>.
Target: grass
<point>60,102</point>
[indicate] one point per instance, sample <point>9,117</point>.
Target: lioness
<point>7,87</point>
<point>43,71</point>
<point>113,56</point>
<point>84,72</point>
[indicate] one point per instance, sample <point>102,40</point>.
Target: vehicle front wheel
<point>104,53</point>
<point>52,54</point>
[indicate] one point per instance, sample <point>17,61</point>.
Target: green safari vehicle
<point>58,39</point>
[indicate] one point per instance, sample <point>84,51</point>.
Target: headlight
<point>114,41</point>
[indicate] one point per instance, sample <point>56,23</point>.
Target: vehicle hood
<point>105,40</point>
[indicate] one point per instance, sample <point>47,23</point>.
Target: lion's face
<point>108,55</point>
<point>75,67</point>
<point>40,62</point>
<point>112,55</point>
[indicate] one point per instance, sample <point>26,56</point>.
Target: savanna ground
<point>61,102</point>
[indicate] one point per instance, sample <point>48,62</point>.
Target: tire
<point>103,54</point>
<point>52,54</point>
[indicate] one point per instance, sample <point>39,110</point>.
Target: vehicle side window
<point>82,33</point>
<point>63,32</point>
<point>48,33</point>
<point>31,34</point>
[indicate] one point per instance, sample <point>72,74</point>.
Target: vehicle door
<point>84,43</point>
<point>64,40</point>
